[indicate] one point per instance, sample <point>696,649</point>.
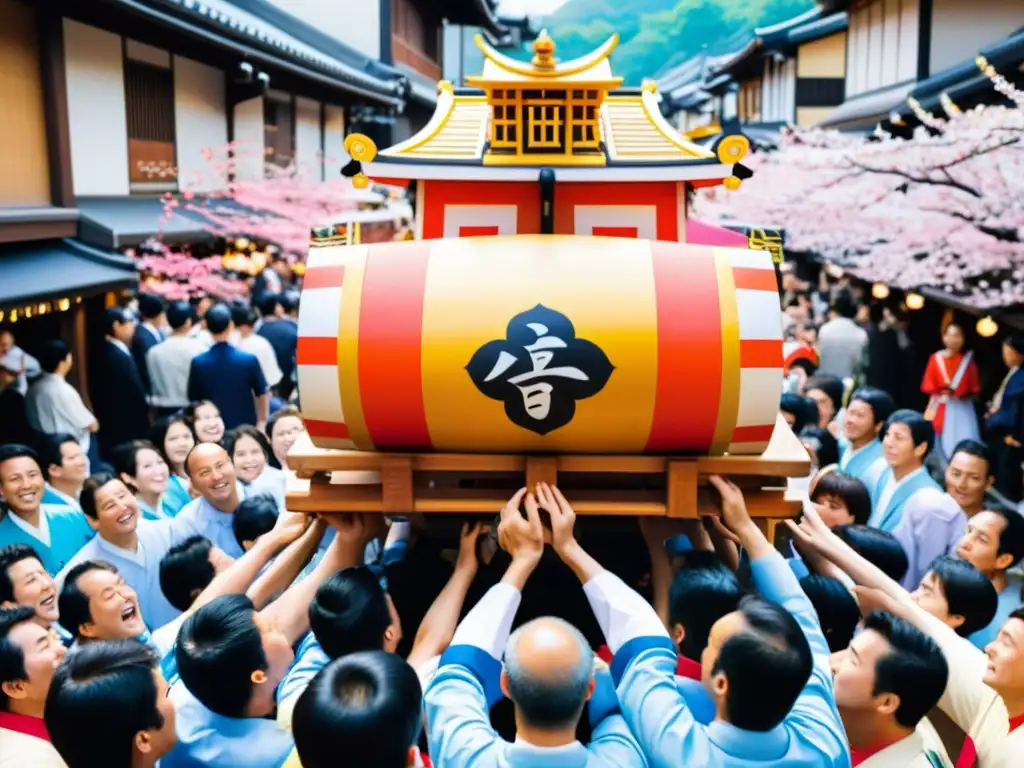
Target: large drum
<point>540,343</point>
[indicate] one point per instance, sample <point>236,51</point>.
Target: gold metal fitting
<point>360,147</point>
<point>732,149</point>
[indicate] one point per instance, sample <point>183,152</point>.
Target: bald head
<point>213,475</point>
<point>549,672</point>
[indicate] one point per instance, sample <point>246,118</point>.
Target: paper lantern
<point>880,291</point>
<point>987,327</point>
<point>914,301</point>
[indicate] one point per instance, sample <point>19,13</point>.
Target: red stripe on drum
<point>477,231</point>
<point>758,434</point>
<point>390,344</point>
<point>326,429</point>
<point>686,401</point>
<point>314,350</point>
<point>760,353</point>
<point>324,277</point>
<point>630,232</point>
<point>755,279</point>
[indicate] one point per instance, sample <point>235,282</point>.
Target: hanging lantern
<point>987,327</point>
<point>914,301</point>
<point>880,291</point>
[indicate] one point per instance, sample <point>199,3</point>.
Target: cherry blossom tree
<point>943,209</point>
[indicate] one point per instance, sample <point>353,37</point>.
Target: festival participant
<point>951,381</point>
<point>860,446</point>
<point>1004,422</point>
<point>353,612</point>
<point>283,427</point>
<point>169,361</point>
<point>56,532</point>
<point>841,498</point>
<point>251,454</point>
<point>906,440</point>
<point>827,393</point>
<point>254,517</point>
<point>52,405</point>
<point>210,515</point>
<point>188,568</point>
<point>122,407</point>
<point>985,693</point>
<point>207,424</point>
<point>143,469</point>
<point>134,549</point>
<point>841,342</point>
<point>25,582</point>
<point>799,411</point>
<point>174,438</point>
<point>877,547</point>
<point>766,665</point>
<point>969,476</point>
<point>245,319</point>
<point>231,659</point>
<point>885,686</point>
<point>149,333</point>
<point>994,543</point>
<point>958,594</point>
<point>365,706</point>
<point>835,607</point>
<point>108,707</point>
<point>29,654</point>
<point>66,466</point>
<point>549,674</point>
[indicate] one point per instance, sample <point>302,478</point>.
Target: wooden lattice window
<point>149,107</point>
<point>504,119</point>
<point>545,123</point>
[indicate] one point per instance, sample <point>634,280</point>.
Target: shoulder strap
<point>961,371</point>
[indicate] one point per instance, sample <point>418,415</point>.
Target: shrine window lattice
<point>543,120</point>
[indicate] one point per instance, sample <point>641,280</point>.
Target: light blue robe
<point>199,518</point>
<point>209,740</point>
<point>1009,601</point>
<point>887,519</point>
<point>54,497</point>
<point>140,569</point>
<point>867,464</point>
<point>69,532</point>
<point>812,733</point>
<point>171,502</point>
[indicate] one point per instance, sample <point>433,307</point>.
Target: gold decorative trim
<point>525,69</point>
<point>650,103</point>
<point>443,111</point>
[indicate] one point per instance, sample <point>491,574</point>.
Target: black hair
<point>185,571</point>
<point>832,386</point>
<point>191,408</point>
<point>290,301</point>
<point>218,318</point>
<point>125,456</point>
<point>921,430</point>
<point>151,306</point>
<point>158,434</point>
<point>1015,341</point>
<point>268,303</point>
<point>914,668</point>
<point>49,451</point>
<point>968,593</point>
<point>219,647</point>
<point>12,657</point>
<point>9,556</point>
<point>52,354</point>
<point>703,591</point>
<point>349,612</point>
<point>100,698</point>
<point>10,451</point>
<point>243,314</point>
<point>179,313</point>
<point>115,315</point>
<point>1011,538</point>
<point>254,517</point>
<point>280,413</point>
<point>849,489</point>
<point>230,441</point>
<point>837,609</point>
<point>803,409</point>
<point>73,603</point>
<point>365,706</point>
<point>825,445</point>
<point>881,403</point>
<point>767,664</point>
<point>87,499</point>
<point>878,547</point>
<point>977,450</point>
<point>844,305</point>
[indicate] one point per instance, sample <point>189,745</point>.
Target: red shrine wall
<point>652,211</point>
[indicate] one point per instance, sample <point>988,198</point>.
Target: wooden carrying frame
<point>465,483</point>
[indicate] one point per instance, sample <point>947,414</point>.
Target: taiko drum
<point>540,344</point>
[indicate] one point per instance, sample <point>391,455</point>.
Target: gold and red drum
<point>560,344</point>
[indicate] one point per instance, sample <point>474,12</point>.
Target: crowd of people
<point>159,604</point>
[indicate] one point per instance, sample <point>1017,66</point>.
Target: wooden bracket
<point>541,469</point>
<point>396,485</point>
<point>682,489</point>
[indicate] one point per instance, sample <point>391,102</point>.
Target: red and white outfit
<point>24,741</point>
<point>951,380</point>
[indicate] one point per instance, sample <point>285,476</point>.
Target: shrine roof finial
<point>544,52</point>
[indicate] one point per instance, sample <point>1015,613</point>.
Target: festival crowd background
<point>161,605</point>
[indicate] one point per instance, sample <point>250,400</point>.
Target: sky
<point>528,7</point>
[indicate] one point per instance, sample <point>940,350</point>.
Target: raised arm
<point>286,568</point>
<point>438,626</point>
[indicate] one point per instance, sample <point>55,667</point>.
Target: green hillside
<point>658,34</point>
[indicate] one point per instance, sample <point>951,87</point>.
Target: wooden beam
<point>396,485</point>
<point>79,370</point>
<point>55,106</point>
<point>541,469</point>
<point>682,489</point>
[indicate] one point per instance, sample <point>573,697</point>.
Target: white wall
<point>200,122</point>
<point>335,155</point>
<point>307,138</point>
<point>249,139</point>
<point>961,27</point>
<point>778,94</point>
<point>354,22</point>
<point>96,110</point>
